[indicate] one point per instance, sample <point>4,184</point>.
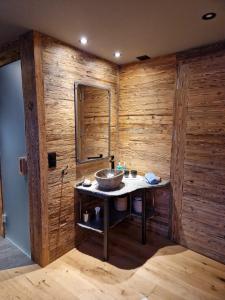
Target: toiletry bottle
<point>119,167</point>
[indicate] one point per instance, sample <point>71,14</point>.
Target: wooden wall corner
<point>178,149</point>
<point>9,52</point>
<point>31,64</point>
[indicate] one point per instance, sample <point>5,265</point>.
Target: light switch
<point>52,160</point>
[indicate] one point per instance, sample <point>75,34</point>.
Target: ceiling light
<point>117,54</point>
<point>83,40</point>
<point>209,16</point>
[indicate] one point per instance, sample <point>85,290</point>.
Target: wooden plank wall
<point>155,113</point>
<point>9,52</point>
<point>62,67</point>
<point>94,120</point>
<point>201,203</point>
<point>34,108</point>
<point>146,100</point>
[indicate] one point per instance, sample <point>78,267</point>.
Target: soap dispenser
<point>119,167</point>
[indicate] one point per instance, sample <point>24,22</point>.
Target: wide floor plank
<point>158,270</point>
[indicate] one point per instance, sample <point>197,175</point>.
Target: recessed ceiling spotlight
<point>83,40</point>
<point>209,16</point>
<point>117,54</point>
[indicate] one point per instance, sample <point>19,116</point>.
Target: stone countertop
<point>127,186</point>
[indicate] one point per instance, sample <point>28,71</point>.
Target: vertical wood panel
<point>200,193</point>
<point>147,92</point>
<point>62,67</point>
<point>9,52</point>
<point>36,144</point>
<point>146,99</point>
<point>178,147</point>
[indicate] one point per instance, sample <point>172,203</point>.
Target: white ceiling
<point>135,27</point>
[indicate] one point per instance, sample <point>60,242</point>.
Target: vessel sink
<point>109,179</point>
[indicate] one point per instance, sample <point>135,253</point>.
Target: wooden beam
<point>178,148</point>
<point>9,52</point>
<point>31,63</point>
<point>196,53</point>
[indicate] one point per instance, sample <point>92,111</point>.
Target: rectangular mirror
<point>92,106</point>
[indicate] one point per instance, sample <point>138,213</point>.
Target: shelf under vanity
<point>112,217</point>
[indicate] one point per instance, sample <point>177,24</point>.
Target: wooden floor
<point>173,272</point>
<point>11,256</point>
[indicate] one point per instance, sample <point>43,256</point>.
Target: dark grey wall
<point>12,146</point>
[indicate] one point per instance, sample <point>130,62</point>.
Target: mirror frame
<point>106,88</point>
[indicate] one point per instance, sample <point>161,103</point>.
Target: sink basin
<point>108,179</point>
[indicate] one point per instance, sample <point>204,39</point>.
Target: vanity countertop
<point>127,186</point>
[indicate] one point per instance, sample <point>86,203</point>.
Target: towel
<point>151,178</point>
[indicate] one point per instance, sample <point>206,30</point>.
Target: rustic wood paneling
<point>202,167</point>
<point>9,52</point>
<point>62,67</point>
<point>31,63</point>
<point>178,146</point>
<point>146,100</point>
<point>147,92</point>
<point>151,111</point>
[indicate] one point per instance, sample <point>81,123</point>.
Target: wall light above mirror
<point>92,112</point>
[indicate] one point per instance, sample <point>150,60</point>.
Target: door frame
<point>28,50</point>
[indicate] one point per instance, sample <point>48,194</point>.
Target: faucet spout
<point>112,162</point>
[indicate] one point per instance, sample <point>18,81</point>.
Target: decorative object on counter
<point>119,167</point>
<point>86,182</point>
<point>133,173</point>
<point>97,213</point>
<point>137,204</point>
<point>86,216</point>
<point>108,179</point>
<point>120,203</point>
<point>79,183</point>
<point>152,178</point>
<point>126,173</point>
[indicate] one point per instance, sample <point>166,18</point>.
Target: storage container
<point>120,204</point>
<point>137,205</point>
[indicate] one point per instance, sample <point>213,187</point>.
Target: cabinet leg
<point>106,229</point>
<point>144,227</point>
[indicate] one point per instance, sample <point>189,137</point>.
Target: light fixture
<point>143,57</point>
<point>209,16</point>
<point>83,40</point>
<point>117,54</point>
